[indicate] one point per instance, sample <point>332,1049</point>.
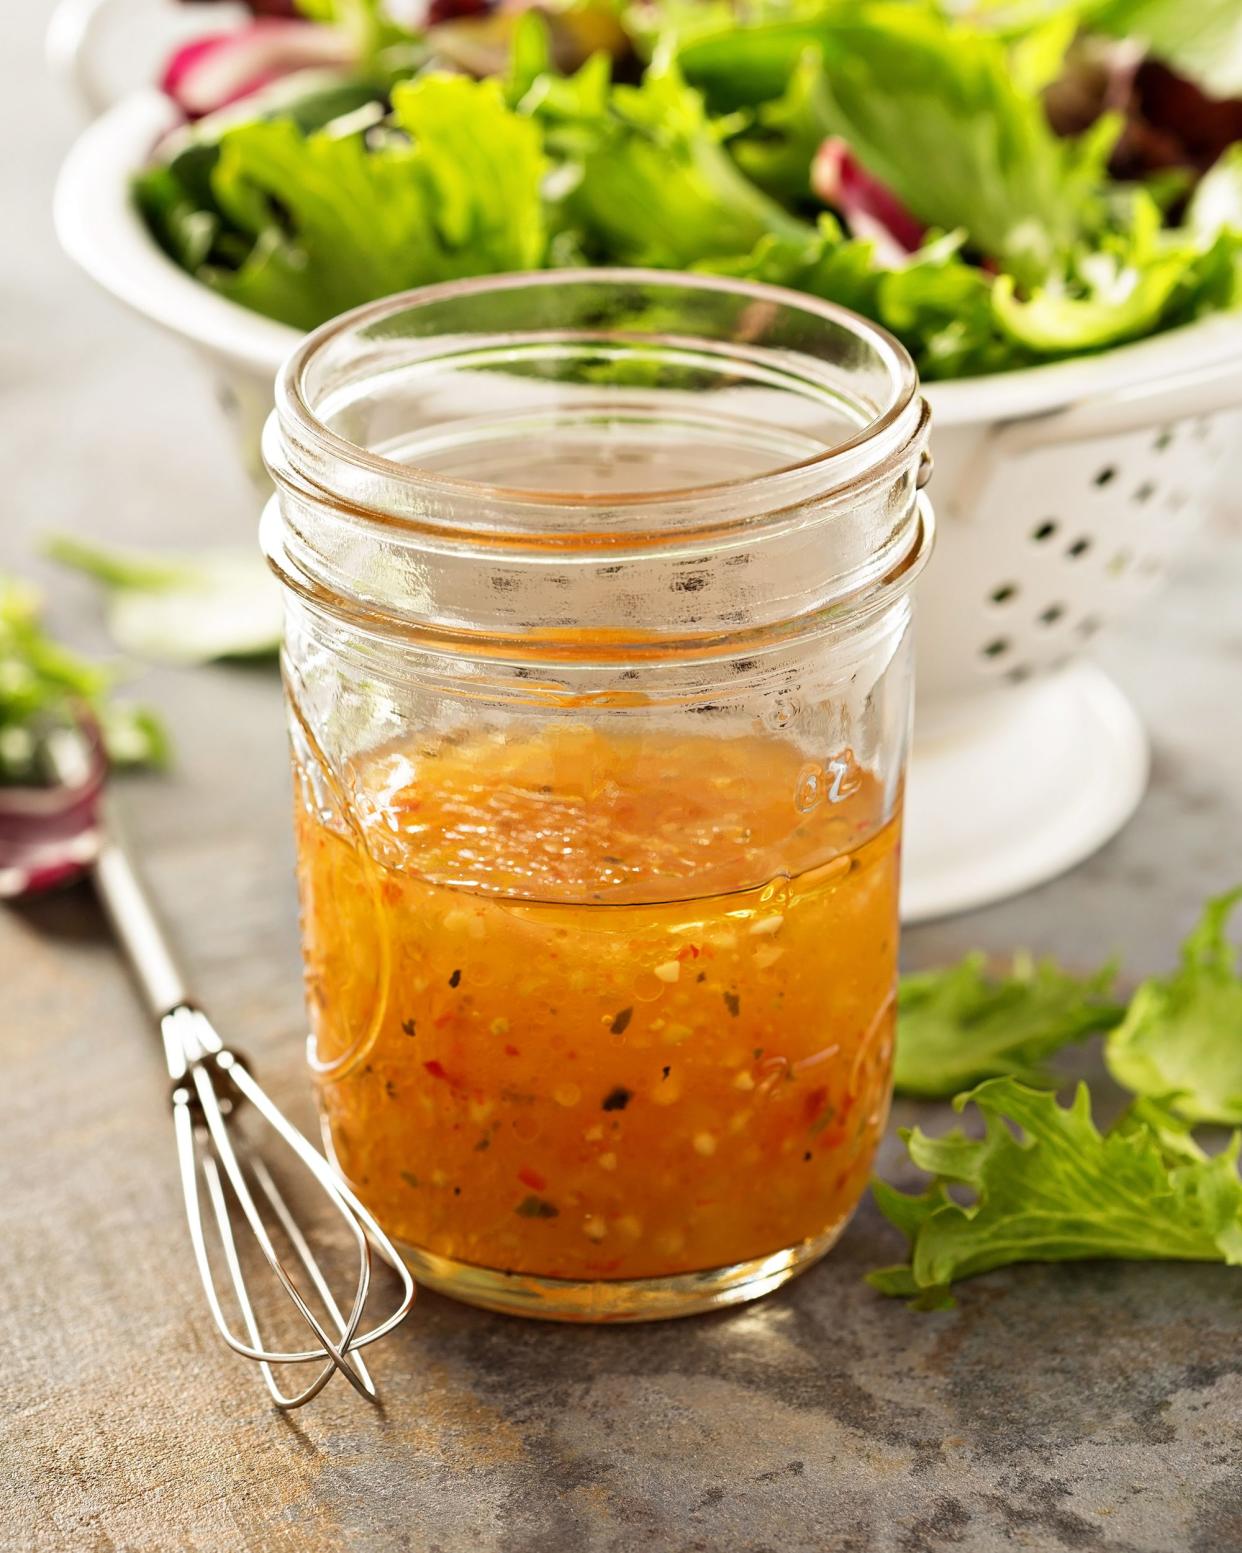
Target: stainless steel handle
<point>137,925</point>
<point>119,885</point>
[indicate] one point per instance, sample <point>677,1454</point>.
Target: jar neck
<point>693,576</point>
<point>597,462</point>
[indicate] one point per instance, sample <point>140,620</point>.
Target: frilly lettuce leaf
<point>643,177</point>
<point>1181,1041</point>
<point>826,264</point>
<point>958,1026</point>
<point>452,190</point>
<point>1058,1191</point>
<point>1138,279</point>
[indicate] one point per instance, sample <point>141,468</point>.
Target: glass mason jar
<point>598,671</point>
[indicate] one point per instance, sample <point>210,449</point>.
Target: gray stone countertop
<point>1087,1407</point>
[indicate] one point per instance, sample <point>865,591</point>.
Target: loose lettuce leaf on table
<point>1181,1041</point>
<point>185,609</point>
<point>1058,1191</point>
<point>958,1026</point>
<point>334,222</point>
<point>42,679</point>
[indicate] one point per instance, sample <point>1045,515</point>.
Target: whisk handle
<point>137,926</point>
<point>125,898</point>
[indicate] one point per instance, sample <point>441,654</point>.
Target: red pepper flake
<point>536,1208</point>
<point>391,891</point>
<point>813,1102</point>
<point>688,952</point>
<point>446,1018</point>
<point>409,1026</point>
<point>455,979</point>
<point>621,1021</point>
<point>532,1178</point>
<point>733,1003</point>
<point>512,1051</point>
<point>617,1099</point>
<point>436,1069</point>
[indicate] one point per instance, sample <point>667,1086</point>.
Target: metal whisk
<point>210,1084</point>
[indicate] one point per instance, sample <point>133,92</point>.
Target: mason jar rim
<point>293,409</point>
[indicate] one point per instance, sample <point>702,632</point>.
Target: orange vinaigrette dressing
<point>598,1007</point>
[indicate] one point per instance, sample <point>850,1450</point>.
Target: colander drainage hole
<point>1106,475</point>
<point>1163,439</point>
<point>1003,594</point>
<point>1144,492</point>
<point>1088,625</point>
<point>1079,548</point>
<point>1052,614</point>
<point>997,648</point>
<point>1045,531</point>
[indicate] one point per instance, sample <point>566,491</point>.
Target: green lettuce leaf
<point>941,307</point>
<point>454,190</point>
<point>826,264</point>
<point>1216,205</point>
<point>41,679</point>
<point>1059,1191</point>
<point>1202,39</point>
<point>1139,278</point>
<point>367,23</point>
<point>1181,1041</point>
<point>933,110</point>
<point>186,609</point>
<point>777,144</point>
<point>937,304</point>
<point>642,174</point>
<point>958,1026</point>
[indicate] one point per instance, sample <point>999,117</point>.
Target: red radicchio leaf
<point>220,69</point>
<point>50,835</point>
<point>869,208</point>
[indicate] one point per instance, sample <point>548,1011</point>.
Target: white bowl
<point>1061,491</point>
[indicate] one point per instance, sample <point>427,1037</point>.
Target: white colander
<point>1061,493</point>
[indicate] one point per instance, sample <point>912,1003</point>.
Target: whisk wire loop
<point>211,1084</point>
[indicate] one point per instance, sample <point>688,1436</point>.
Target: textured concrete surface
<point>1095,1407</point>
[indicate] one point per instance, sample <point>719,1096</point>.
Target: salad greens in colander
<point>1000,185</point>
